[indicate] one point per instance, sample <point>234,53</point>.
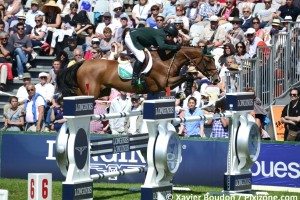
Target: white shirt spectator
<point>22,94</point>
<point>30,17</point>
<point>195,33</point>
<point>46,90</point>
<point>101,26</point>
<point>134,123</point>
<point>29,114</point>
<point>118,104</point>
<point>65,9</point>
<point>141,12</point>
<point>266,15</point>
<point>253,46</point>
<point>43,28</point>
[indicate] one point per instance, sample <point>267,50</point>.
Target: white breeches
<point>139,54</point>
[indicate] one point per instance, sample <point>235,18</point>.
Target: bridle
<point>206,69</point>
<point>191,61</point>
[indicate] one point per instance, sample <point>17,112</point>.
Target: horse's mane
<point>67,81</point>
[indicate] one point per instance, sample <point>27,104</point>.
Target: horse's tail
<point>66,80</point>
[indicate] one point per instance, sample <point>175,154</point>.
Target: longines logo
<point>81,149</point>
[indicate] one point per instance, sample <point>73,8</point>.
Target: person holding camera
<point>220,125</point>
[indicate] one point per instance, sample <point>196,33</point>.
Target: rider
<point>140,38</point>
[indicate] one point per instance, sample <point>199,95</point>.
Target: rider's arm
<point>162,44</point>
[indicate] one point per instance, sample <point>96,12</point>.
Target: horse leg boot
<point>189,84</point>
<point>137,67</point>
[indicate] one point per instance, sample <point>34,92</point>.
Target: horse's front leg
<point>175,81</point>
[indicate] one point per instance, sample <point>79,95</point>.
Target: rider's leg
<point>140,56</point>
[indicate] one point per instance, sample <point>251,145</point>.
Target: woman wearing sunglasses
<point>241,52</point>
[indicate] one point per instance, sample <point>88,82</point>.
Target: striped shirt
<point>218,131</point>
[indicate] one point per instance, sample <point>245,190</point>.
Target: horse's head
<point>204,64</point>
<point>210,68</point>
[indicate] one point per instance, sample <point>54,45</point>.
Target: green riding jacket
<point>145,37</point>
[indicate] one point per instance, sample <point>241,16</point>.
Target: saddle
<point>125,65</point>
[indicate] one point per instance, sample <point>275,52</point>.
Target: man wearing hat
<point>33,12</point>
<point>286,22</point>
<point>22,92</point>
<point>276,25</point>
<point>160,21</point>
<point>236,35</point>
<point>21,19</point>
<point>14,9</point>
<point>118,14</point>
<point>44,88</point>
<point>119,31</point>
<point>252,42</point>
<point>214,35</point>
<point>106,22</point>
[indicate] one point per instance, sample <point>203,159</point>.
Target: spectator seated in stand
<point>38,34</point>
<point>22,48</point>
<point>56,67</point>
<point>21,19</point>
<point>6,56</point>
<point>78,57</point>
<point>14,116</point>
<point>57,113</point>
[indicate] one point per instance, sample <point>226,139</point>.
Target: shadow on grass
<point>104,193</point>
<point>113,192</point>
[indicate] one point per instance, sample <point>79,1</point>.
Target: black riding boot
<point>137,67</point>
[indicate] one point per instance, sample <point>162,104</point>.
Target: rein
<point>201,61</point>
<point>169,69</point>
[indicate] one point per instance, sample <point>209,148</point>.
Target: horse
<point>97,77</point>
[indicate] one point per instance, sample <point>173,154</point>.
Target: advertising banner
<point>203,161</point>
<point>279,129</point>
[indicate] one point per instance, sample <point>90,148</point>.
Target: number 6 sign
<point>39,186</point>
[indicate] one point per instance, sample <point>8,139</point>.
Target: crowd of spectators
<point>228,30</point>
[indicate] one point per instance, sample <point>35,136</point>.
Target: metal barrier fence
<point>274,69</point>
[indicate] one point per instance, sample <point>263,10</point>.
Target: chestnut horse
<point>102,75</point>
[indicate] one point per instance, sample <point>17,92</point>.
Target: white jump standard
<point>74,147</point>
